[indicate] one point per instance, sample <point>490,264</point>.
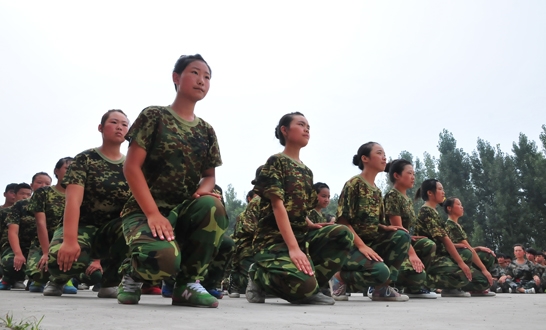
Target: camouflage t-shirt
<point>51,202</point>
<point>248,220</point>
<point>316,217</point>
<point>21,216</point>
<point>3,227</point>
<point>429,224</point>
<point>177,153</point>
<point>361,204</point>
<point>524,271</point>
<point>455,231</point>
<point>105,187</point>
<point>292,182</point>
<point>398,204</point>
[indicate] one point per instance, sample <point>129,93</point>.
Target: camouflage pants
<point>243,257</point>
<point>408,277</point>
<point>479,281</point>
<point>516,284</point>
<point>198,226</point>
<point>32,271</point>
<point>105,243</point>
<point>359,272</point>
<point>10,274</point>
<point>487,259</point>
<point>217,268</point>
<point>327,249</point>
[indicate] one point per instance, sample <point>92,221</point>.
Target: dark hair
<point>532,251</point>
<point>250,194</point>
<point>449,202</point>
<point>319,186</point>
<point>507,256</point>
<point>107,115</point>
<point>396,166</point>
<point>39,173</point>
<point>184,60</point>
<point>364,150</point>
<point>500,255</point>
<point>285,121</point>
<point>258,170</point>
<point>22,186</point>
<point>11,186</point>
<point>61,163</point>
<point>520,245</point>
<point>426,186</point>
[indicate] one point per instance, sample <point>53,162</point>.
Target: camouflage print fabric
<point>479,282</point>
<point>522,276</point>
<point>199,226</point>
<point>398,204</point>
<point>488,260</point>
<point>177,153</point>
<point>359,272</point>
<point>20,216</point>
<point>240,275</point>
<point>316,217</point>
<point>425,249</point>
<point>362,206</point>
<point>444,273</point>
<point>3,228</point>
<point>105,187</point>
<point>408,277</point>
<point>10,274</point>
<point>327,249</point>
<point>430,225</point>
<point>292,182</point>
<point>217,267</point>
<point>50,201</point>
<point>105,243</point>
<point>455,232</point>
<point>32,271</point>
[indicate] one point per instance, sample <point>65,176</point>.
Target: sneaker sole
<point>389,299</point>
<point>417,296</point>
<point>341,298</point>
<point>455,296</point>
<point>187,304</point>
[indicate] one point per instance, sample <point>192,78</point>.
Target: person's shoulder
<point>154,111</point>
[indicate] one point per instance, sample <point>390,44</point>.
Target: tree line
<point>503,194</point>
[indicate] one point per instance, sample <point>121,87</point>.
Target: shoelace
<point>129,285</point>
<point>391,292</point>
<point>197,287</point>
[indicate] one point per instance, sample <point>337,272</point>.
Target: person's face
<point>518,252</point>
<point>298,132</point>
<point>530,257</point>
<point>457,208</point>
<point>194,82</point>
<point>10,196</point>
<point>115,127</point>
<point>539,259</point>
<point>377,159</point>
<point>324,198</point>
<point>40,181</point>
<point>438,196</point>
<point>60,172</point>
<point>407,178</point>
<point>501,260</point>
<point>23,193</point>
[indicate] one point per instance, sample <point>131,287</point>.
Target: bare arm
<point>367,251</point>
<point>41,228</point>
<point>13,238</point>
<point>456,257</point>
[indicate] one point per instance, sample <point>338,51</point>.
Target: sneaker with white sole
<point>108,292</point>
<point>254,294</point>
<point>388,293</point>
<point>449,293</point>
<point>531,290</point>
<point>19,285</point>
<point>129,291</point>
<point>485,293</point>
<point>421,294</point>
<point>83,286</point>
<point>369,293</point>
<point>316,299</point>
<point>53,289</point>
<point>338,289</point>
<point>193,294</point>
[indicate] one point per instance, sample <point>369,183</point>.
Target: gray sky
<point>392,72</point>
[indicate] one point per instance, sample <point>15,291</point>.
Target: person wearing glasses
<point>173,222</point>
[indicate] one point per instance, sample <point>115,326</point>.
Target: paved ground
<point>86,311</point>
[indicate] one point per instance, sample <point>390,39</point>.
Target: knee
<point>466,255</point>
<point>217,211</point>
<point>381,272</point>
<point>157,259</point>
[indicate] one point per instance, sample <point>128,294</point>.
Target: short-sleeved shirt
<point>3,228</point>
<point>455,232</point>
<point>248,220</point>
<point>20,215</point>
<point>105,187</point>
<point>523,272</point>
<point>317,217</point>
<point>398,204</point>
<point>291,182</point>
<point>177,153</point>
<point>50,201</point>
<point>430,225</point>
<point>361,204</point>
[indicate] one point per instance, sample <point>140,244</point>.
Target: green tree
<point>234,207</point>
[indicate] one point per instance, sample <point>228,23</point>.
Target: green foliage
<point>234,207</point>
<point>30,323</point>
<point>332,207</point>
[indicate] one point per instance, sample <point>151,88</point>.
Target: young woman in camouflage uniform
<point>20,232</point>
<point>173,222</point>
<point>521,275</point>
<point>447,271</point>
<point>379,249</point>
<point>399,212</point>
<point>480,259</point>
<point>323,199</point>
<point>90,238</point>
<point>47,205</point>
<point>294,257</point>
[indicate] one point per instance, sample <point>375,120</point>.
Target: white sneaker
<point>338,289</point>
<point>20,285</point>
<point>454,293</point>
<point>83,286</point>
<point>422,294</point>
<point>531,290</point>
<point>485,293</point>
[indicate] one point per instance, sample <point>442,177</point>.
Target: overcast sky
<point>395,72</point>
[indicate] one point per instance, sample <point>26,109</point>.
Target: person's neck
<point>400,188</point>
<point>292,152</point>
<point>431,204</point>
<point>521,260</point>
<point>454,218</point>
<point>318,209</point>
<point>369,176</point>
<point>184,108</point>
<point>111,150</point>
<point>59,187</point>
